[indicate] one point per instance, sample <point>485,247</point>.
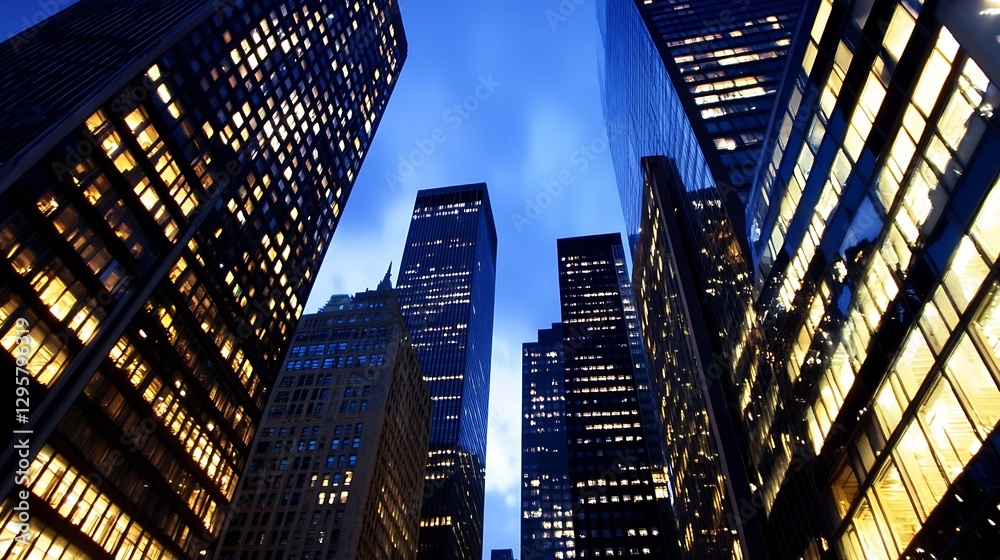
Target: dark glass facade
<point>874,246</point>
<point>686,315</point>
<point>172,173</point>
<point>727,59</point>
<point>446,290</point>
<point>546,502</point>
<point>695,81</point>
<point>506,554</point>
<point>337,467</point>
<point>617,484</point>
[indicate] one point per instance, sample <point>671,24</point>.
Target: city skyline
<point>822,328</point>
<point>541,125</point>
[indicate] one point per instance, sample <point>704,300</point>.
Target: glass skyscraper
<point>874,230</point>
<point>546,505</point>
<point>171,174</point>
<point>695,81</point>
<point>726,59</point>
<point>856,344</point>
<point>446,289</point>
<point>337,468</point>
<point>617,485</point>
<point>689,86</point>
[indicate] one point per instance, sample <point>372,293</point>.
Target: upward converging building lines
<point>593,481</point>
<point>802,364</point>
<point>170,173</point>
<point>337,471</point>
<point>842,353</point>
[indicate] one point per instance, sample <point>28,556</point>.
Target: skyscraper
<point>172,173</point>
<point>546,504</point>
<point>858,339</point>
<point>726,60</point>
<point>337,469</point>
<point>688,91</point>
<point>694,81</point>
<point>506,554</point>
<point>616,479</point>
<point>875,252</point>
<point>446,290</point>
<point>692,295</point>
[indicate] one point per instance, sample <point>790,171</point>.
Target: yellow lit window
<point>947,427</point>
<point>966,273</point>
<point>976,386</point>
<point>986,228</point>
<point>899,31</point>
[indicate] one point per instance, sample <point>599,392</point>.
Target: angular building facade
<point>672,89</point>
<point>337,468</point>
<point>695,81</point>
<point>726,60</point>
<point>171,173</point>
<point>855,343</point>
<point>546,502</point>
<point>688,307</point>
<point>446,288</point>
<point>875,252</point>
<point>616,476</point>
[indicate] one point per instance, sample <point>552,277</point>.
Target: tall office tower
<point>695,81</point>
<point>872,415</point>
<point>616,486</point>
<point>682,308</point>
<point>681,234</point>
<point>446,290</point>
<point>506,554</point>
<point>337,468</point>
<point>172,172</point>
<point>546,506</point>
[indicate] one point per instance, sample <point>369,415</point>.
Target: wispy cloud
<point>547,108</point>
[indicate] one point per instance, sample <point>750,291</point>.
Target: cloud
<point>362,247</point>
<point>547,107</point>
<point>503,450</point>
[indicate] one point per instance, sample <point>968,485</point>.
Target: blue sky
<point>536,122</point>
<point>542,122</point>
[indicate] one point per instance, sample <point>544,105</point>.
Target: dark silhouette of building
<point>507,554</point>
<point>171,174</point>
<point>617,482</point>
<point>546,502</point>
<point>337,469</point>
<point>446,291</point>
<point>685,338</point>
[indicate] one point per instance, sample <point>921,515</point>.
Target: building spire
<point>386,283</point>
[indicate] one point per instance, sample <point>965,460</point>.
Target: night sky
<point>504,92</point>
